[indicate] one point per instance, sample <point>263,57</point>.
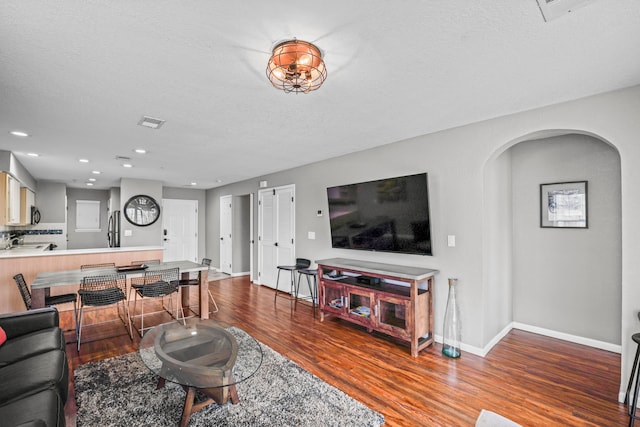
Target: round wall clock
<point>141,210</point>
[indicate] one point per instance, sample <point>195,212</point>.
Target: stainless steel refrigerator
<point>113,235</point>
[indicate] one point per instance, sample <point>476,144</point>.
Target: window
<point>87,216</point>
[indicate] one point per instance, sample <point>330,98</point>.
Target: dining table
<point>45,281</point>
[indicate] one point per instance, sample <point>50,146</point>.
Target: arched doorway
<point>565,283</point>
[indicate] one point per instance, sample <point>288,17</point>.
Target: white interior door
<point>251,239</point>
<point>180,230</point>
<point>276,227</point>
<point>226,246</point>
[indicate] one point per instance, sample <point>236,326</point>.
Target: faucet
<point>14,241</point>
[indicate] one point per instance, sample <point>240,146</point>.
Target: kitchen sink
<point>25,247</point>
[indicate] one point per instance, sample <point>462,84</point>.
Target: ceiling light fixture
<point>90,184</point>
<point>140,151</point>
<point>150,122</point>
<point>83,160</point>
<point>33,154</point>
<point>296,66</point>
<point>19,133</point>
<point>127,165</point>
<point>92,179</point>
<point>95,172</point>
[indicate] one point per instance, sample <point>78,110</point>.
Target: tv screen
<point>387,215</point>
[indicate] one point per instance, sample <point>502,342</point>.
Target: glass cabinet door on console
<point>360,307</point>
<point>333,299</point>
<point>391,315</point>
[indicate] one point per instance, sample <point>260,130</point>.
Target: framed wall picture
<point>563,205</point>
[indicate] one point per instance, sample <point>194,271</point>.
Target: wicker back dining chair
<point>48,300</point>
<point>195,281</point>
<point>157,284</point>
<point>102,291</point>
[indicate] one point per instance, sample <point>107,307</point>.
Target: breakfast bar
<point>32,262</point>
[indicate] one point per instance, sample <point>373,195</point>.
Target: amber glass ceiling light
<point>296,66</point>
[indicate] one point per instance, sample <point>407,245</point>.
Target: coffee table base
<point>219,395</point>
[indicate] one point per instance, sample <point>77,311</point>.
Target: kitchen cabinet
<point>9,200</point>
<point>27,201</point>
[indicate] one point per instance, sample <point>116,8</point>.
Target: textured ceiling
<point>79,74</point>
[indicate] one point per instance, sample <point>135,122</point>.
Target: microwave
<point>35,215</point>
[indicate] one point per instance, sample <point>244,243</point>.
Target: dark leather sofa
<point>34,373</point>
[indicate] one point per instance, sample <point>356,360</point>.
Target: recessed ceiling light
<point>90,184</point>
<point>33,154</point>
<point>96,172</point>
<point>140,151</point>
<point>83,160</point>
<point>218,181</point>
<point>19,133</point>
<point>194,183</point>
<point>127,165</point>
<point>151,122</point>
<point>92,179</point>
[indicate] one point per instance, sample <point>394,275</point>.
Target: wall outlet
<point>128,233</point>
<point>311,235</point>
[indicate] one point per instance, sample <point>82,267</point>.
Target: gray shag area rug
<point>121,391</point>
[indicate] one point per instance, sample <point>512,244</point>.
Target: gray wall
<point>568,280</point>
<point>87,240</point>
<point>9,163</point>
<point>50,200</point>
<point>497,250</point>
<point>241,208</point>
<point>462,205</point>
<point>192,194</point>
<point>140,236</point>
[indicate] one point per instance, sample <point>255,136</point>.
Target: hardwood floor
<point>534,380</point>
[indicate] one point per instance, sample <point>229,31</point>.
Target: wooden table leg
<point>161,383</point>
<point>38,296</point>
<point>184,290</point>
<point>203,276</point>
<point>219,395</point>
<point>188,406</point>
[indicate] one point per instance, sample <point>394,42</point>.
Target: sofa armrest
<point>24,322</point>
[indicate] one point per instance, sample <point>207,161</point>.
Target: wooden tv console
<point>391,299</point>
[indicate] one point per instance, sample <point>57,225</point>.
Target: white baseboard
<point>482,352</point>
<point>615,348</point>
<point>463,347</point>
<point>244,273</point>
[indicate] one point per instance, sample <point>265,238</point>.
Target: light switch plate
<point>311,235</point>
<point>127,233</point>
<point>451,240</point>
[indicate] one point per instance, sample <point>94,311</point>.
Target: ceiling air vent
<point>552,9</point>
<point>150,122</point>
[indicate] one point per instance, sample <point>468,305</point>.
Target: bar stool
<point>635,372</point>
<point>301,264</point>
<point>313,290</point>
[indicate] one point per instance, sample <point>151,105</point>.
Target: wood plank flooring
<point>534,380</point>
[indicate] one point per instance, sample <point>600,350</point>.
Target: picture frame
<point>564,205</point>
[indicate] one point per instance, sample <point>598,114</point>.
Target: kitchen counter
<point>32,260</point>
<point>41,249</point>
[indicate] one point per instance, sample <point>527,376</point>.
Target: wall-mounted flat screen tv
<point>387,215</point>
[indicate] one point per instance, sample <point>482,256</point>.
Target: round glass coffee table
<point>204,355</point>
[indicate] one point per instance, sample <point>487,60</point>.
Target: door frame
<point>194,203</point>
<point>223,201</point>
<point>258,280</point>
